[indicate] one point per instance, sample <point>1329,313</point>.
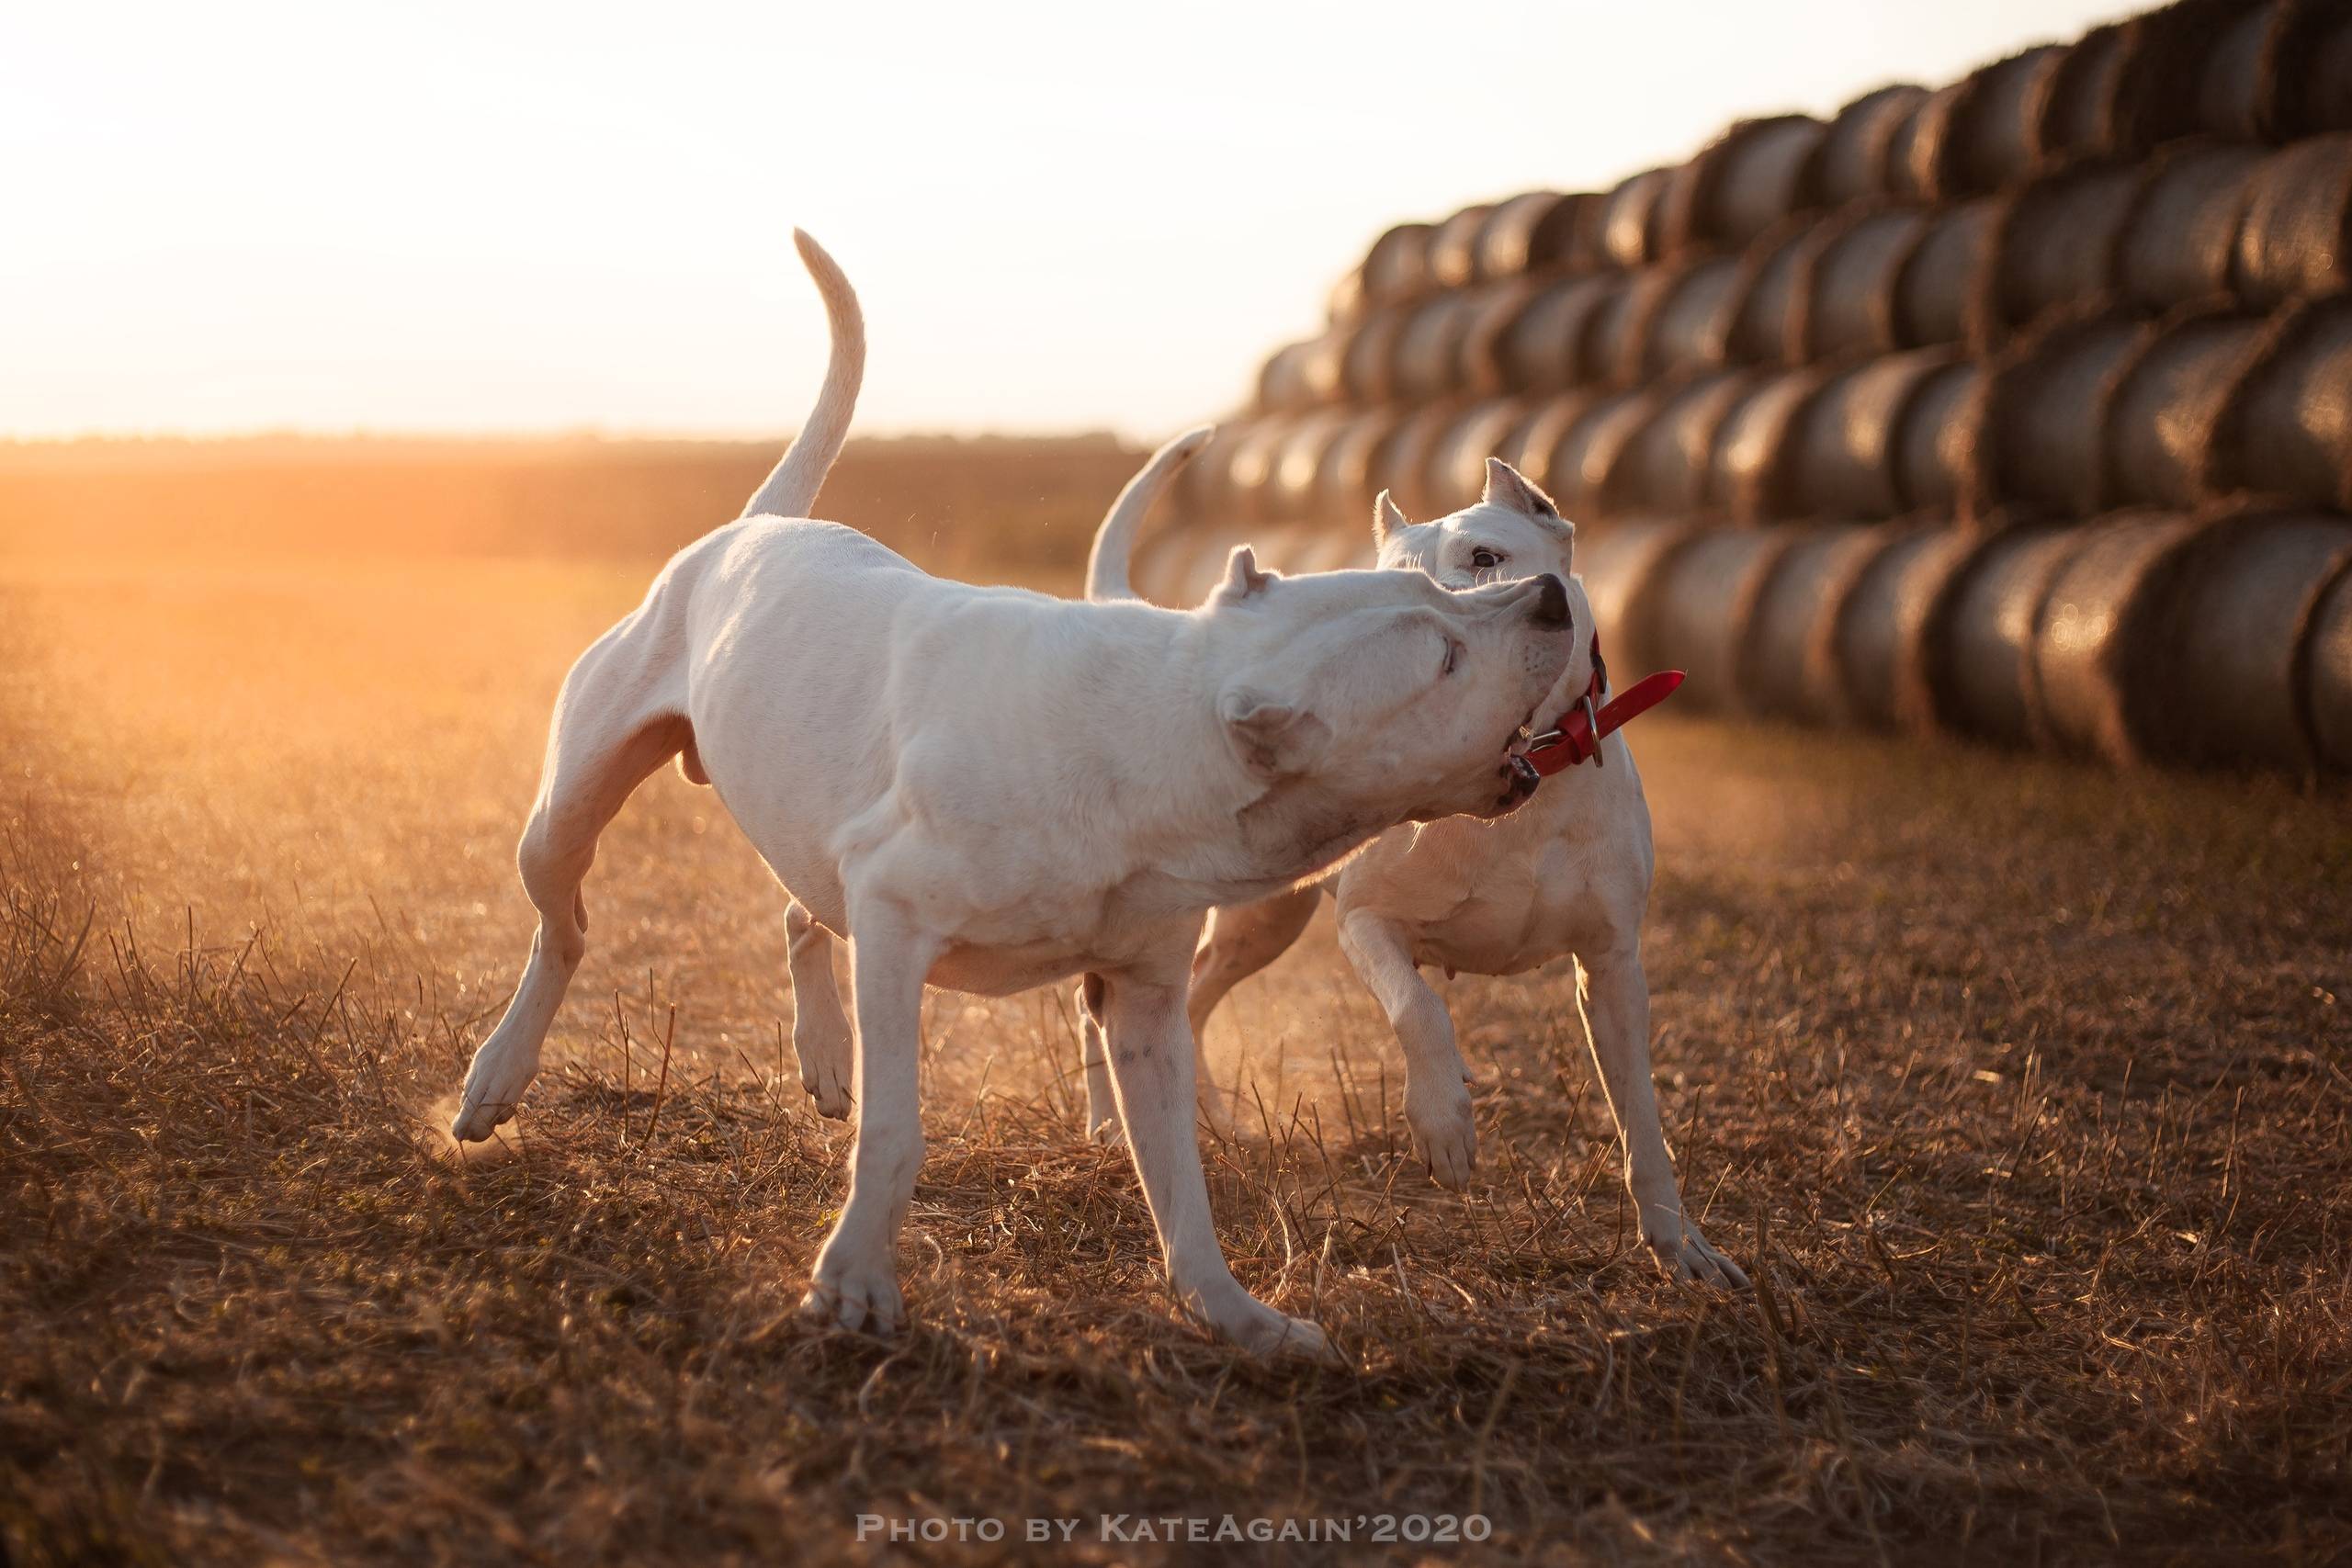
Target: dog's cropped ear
<point>1388,518</point>
<point>1513,492</point>
<point>1270,738</point>
<point>1243,577</point>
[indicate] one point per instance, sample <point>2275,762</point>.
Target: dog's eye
<point>1485,559</point>
<point>1452,656</point>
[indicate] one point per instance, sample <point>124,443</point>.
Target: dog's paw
<point>1682,1252</point>
<point>494,1086</point>
<point>1265,1331</point>
<point>855,1296</point>
<point>1445,1131</point>
<point>828,1085</point>
<point>1107,1134</point>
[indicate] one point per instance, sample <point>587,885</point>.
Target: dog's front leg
<point>856,1282</point>
<point>819,1028</point>
<point>1151,1066</point>
<point>1617,1016</point>
<point>1437,1093</point>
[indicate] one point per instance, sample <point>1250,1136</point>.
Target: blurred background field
<point>2020,1084</point>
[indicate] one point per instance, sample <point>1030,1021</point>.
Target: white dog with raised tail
<point>989,789</point>
<point>1567,874</point>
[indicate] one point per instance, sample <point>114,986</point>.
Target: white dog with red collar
<point>1566,874</point>
<point>989,789</point>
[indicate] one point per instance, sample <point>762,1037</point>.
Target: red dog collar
<point>1576,734</point>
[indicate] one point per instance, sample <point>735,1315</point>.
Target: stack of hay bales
<point>2020,408</point>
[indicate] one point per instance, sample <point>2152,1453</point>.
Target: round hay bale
<point>1179,566</point>
<point>1429,350</point>
<point>1200,487</point>
<point>2044,439</point>
<point>1397,268</point>
<point>1506,243</point>
<point>1568,236</point>
<point>2285,428</point>
<point>1250,469</point>
<point>1749,178</point>
<point>2314,88</point>
<point>1402,462</point>
<point>1976,649</point>
<point>1940,276</point>
<point>1632,225</point>
<point>1302,375</point>
<point>1998,119</point>
<point>1685,321</point>
<point>1937,435</point>
<point>2296,238</point>
<point>1843,446</point>
<point>1750,463</point>
<point>2079,111</point>
<point>1334,548</point>
<point>2242,626</point>
<point>2328,675</point>
<point>1665,467</point>
<point>1852,162</point>
<point>1531,445</point>
<point>1609,342</point>
<point>1577,473</point>
<point>1478,358</point>
<point>2167,55</point>
<point>2161,426</point>
<point>1703,603</point>
<point>1343,482</point>
<point>1456,472</point>
<point>1849,305</point>
<point>1766,295</point>
<point>1620,564</point>
<point>1290,491</point>
<point>2052,248</point>
<point>1454,247</point>
<point>2095,630</point>
<point>2236,88</point>
<point>2179,240</point>
<point>1346,302</point>
<point>1876,632</point>
<point>1543,347</point>
<point>1921,156</point>
<point>1368,355</point>
<point>1788,669</point>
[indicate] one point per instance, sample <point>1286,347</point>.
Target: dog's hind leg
<point>819,1028</point>
<point>1436,1096</point>
<point>1242,940</point>
<point>614,725</point>
<point>1094,1056</point>
<point>1616,1001</point>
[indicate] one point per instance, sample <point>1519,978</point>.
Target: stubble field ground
<point>2020,1086</point>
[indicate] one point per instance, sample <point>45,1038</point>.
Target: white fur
<point>1566,874</point>
<point>988,789</point>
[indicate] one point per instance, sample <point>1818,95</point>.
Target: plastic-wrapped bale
<point>2161,426</point>
<point>1302,375</point>
<point>1790,669</point>
<point>2296,237</point>
<point>1750,178</point>
<point>1702,605</point>
<point>1545,347</point>
<point>1454,247</point>
<point>1368,357</point>
<point>1843,446</point>
<point>1506,244</point>
<point>1975,657</point>
<point>2328,676</point>
<point>2079,110</point>
<point>2286,427</point>
<point>1681,325</point>
<point>1849,300</point>
<point>1996,132</point>
<point>1632,219</point>
<point>1620,564</point>
<point>1751,461</point>
<point>1456,468</point>
<point>1852,162</point>
<point>1343,482</point>
<point>1938,431</point>
<point>2052,247</point>
<point>2180,240</point>
<point>1665,467</point>
<point>1773,278</point>
<point>2315,70</point>
<point>1876,635</point>
<point>2043,446</point>
<point>1939,277</point>
<point>2176,638</point>
<point>1577,469</point>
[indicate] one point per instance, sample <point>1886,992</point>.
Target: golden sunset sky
<point>492,218</point>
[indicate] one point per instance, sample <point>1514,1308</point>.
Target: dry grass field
<point>2020,1086</point>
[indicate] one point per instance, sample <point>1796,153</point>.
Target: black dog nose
<point>1552,604</point>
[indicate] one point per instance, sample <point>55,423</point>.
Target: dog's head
<point>1393,698</point>
<point>1513,532</point>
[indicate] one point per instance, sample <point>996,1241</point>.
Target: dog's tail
<point>1106,564</point>
<point>791,489</point>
